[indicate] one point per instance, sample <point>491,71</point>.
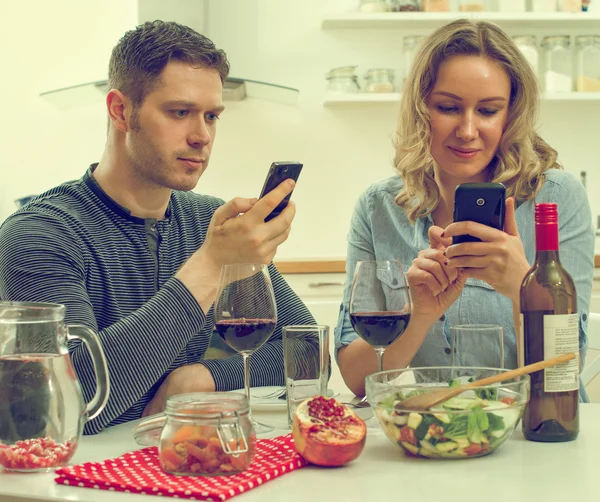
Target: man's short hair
<point>140,56</point>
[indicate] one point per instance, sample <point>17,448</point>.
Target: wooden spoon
<point>426,400</point>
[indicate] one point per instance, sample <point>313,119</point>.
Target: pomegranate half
<point>327,433</point>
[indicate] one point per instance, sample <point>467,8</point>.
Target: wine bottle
<point>550,327</point>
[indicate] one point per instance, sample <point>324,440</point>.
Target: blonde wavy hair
<point>522,156</point>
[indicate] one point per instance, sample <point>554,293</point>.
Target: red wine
<point>245,335</point>
<point>379,329</point>
<point>550,327</point>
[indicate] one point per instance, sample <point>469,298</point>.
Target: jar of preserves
<point>342,80</point>
<point>587,61</point>
<point>379,80</point>
<point>201,434</point>
<point>558,75</point>
<point>410,46</point>
<point>528,47</point>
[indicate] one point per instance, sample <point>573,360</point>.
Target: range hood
<point>234,89</point>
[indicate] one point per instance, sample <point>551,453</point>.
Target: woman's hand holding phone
<point>498,260</point>
<point>434,286</point>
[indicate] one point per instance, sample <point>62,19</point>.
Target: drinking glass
<point>306,364</point>
<point>379,304</point>
<point>477,345</point>
<point>245,314</point>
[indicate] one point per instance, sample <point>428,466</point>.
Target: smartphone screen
<point>479,202</point>
<point>278,172</point>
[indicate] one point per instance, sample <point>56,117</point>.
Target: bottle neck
<point>546,237</point>
<point>543,257</point>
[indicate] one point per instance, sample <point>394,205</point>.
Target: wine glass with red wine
<point>379,304</point>
<point>245,314</point>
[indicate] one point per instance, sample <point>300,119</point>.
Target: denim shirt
<point>380,230</point>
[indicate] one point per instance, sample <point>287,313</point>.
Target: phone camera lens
<point>480,202</point>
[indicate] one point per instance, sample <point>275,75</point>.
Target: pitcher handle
<point>87,336</point>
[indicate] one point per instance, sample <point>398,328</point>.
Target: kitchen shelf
<point>420,20</point>
<point>394,98</point>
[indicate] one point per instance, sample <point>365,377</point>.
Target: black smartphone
<point>479,202</point>
<point>278,172</point>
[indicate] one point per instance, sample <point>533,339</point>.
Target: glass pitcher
<point>42,411</point>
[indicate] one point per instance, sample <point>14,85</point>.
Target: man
<point>132,253</point>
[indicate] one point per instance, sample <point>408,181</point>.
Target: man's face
<point>172,132</point>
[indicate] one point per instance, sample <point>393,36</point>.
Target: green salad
<point>468,425</point>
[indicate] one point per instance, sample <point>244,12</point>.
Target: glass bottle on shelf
<point>405,5</point>
<point>342,80</point>
<point>471,6</point>
<point>410,45</point>
<point>544,5</point>
<point>528,47</point>
<point>557,64</point>
<point>435,5</point>
<point>379,80</point>
<point>373,6</point>
<point>587,61</point>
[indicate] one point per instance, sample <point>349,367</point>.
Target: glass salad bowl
<point>472,424</point>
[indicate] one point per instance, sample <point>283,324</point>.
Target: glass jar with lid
<point>379,80</point>
<point>528,47</point>
<point>511,5</point>
<point>405,5</point>
<point>587,61</point>
<point>410,47</point>
<point>201,434</point>
<point>558,75</point>
<point>342,80</point>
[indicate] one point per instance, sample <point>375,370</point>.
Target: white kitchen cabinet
<point>322,294</point>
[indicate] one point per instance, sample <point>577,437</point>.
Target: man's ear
<point>119,109</point>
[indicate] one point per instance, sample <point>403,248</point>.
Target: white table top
<point>519,471</point>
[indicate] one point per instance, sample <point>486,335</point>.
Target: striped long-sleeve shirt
<point>76,246</point>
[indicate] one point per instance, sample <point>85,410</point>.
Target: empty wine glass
<point>379,306</point>
<point>245,314</point>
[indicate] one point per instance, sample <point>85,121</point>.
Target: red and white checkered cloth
<point>139,472</point>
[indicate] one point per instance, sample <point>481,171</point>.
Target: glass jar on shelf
<point>587,61</point>
<point>405,5</point>
<point>379,80</point>
<point>342,80</point>
<point>410,47</point>
<point>528,47</point>
<point>471,6</point>
<point>558,75</point>
<point>544,5</point>
<point>373,6</point>
<point>435,5</point>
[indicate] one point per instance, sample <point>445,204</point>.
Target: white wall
<point>343,149</point>
<point>47,45</point>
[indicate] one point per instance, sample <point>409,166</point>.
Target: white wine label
<point>521,342</point>
<point>561,336</point>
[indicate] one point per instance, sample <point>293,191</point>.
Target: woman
<point>467,115</point>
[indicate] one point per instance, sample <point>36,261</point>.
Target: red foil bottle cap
<point>546,226</point>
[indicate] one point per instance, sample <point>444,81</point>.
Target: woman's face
<point>468,109</point>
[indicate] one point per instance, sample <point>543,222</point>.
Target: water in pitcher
<point>38,425</point>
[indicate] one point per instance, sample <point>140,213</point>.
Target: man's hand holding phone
<point>238,233</point>
<point>498,260</point>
